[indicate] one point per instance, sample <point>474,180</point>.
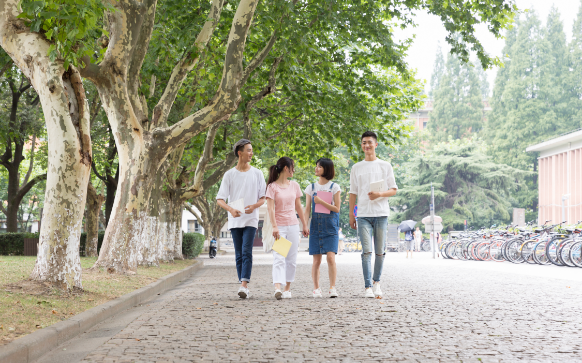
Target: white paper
<point>239,205</point>
<point>377,186</point>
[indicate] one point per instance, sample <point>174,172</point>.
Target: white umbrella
<point>426,220</point>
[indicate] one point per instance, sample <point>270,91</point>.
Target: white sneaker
<point>369,292</point>
<point>332,292</point>
<point>243,292</point>
<point>286,294</point>
<point>278,294</point>
<point>377,290</point>
<point>317,293</point>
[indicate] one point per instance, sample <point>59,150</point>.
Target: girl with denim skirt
<point>324,228</point>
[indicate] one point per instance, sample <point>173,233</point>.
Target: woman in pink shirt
<point>282,204</point>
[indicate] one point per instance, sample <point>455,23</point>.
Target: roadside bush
<point>192,244</point>
<point>12,243</point>
<point>83,242</point>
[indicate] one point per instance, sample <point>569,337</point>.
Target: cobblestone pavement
<point>433,310</point>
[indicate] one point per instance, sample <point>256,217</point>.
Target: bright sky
<point>430,32</point>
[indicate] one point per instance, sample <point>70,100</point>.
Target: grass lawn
<point>28,306</point>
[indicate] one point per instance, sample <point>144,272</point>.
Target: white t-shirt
<point>250,186</point>
<point>324,188</point>
<point>364,173</point>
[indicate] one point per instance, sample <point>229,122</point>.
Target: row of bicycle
<point>548,244</point>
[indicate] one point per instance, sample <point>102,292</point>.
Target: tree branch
<point>191,210</point>
<point>186,64</point>
<point>270,88</point>
<point>259,58</point>
<point>6,67</point>
<point>31,159</point>
<point>97,173</point>
<point>227,164</point>
<point>26,188</point>
<point>227,98</point>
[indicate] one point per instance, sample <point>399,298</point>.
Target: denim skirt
<point>324,233</point>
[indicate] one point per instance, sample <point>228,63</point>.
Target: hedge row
<point>192,244</point>
<point>12,244</point>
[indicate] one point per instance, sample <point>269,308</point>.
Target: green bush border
<point>192,244</point>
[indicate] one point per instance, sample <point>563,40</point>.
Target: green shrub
<point>12,244</point>
<point>192,244</point>
<point>83,242</point>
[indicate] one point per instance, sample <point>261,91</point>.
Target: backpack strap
<point>331,187</point>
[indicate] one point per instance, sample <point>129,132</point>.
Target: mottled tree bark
<point>143,149</point>
<point>66,115</point>
<point>94,203</point>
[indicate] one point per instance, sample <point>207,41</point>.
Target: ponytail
<point>276,170</point>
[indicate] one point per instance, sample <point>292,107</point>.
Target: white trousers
<point>284,267</point>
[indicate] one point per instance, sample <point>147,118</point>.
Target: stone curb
<point>34,345</point>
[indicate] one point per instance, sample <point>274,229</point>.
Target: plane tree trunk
<point>143,149</point>
<point>94,203</point>
<point>62,97</point>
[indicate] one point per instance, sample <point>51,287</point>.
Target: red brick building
<point>560,178</point>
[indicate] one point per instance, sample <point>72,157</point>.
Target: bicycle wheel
<point>576,253</point>
<point>539,253</point>
<point>496,251</point>
<point>513,252</point>
<point>526,251</point>
<point>483,251</point>
<point>552,252</point>
<point>564,252</point>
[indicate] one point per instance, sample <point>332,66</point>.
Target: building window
<point>424,125</point>
<point>193,226</point>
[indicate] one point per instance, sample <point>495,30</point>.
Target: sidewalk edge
<point>34,345</point>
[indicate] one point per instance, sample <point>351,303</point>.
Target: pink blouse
<point>284,202</point>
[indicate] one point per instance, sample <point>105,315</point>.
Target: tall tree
<point>62,97</point>
<point>20,122</point>
<point>458,102</point>
<point>573,80</point>
<point>468,185</point>
<point>144,142</point>
<point>437,72</point>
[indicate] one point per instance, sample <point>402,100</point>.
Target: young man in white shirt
<point>373,209</point>
<point>248,183</point>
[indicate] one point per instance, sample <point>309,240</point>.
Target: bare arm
<point>250,208</point>
<point>353,198</point>
<point>388,193</point>
<point>299,210</point>
<point>235,213</point>
<point>307,207</point>
<point>271,211</point>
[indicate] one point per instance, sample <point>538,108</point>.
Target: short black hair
<point>240,146</point>
<point>369,134</point>
<point>328,168</point>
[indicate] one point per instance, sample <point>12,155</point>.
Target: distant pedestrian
<point>283,201</point>
<point>373,209</point>
<point>417,238</point>
<point>247,183</point>
<point>324,228</point>
<point>409,241</point>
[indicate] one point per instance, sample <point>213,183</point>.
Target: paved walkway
<point>433,310</point>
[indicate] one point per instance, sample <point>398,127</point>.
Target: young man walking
<point>373,209</point>
<point>247,183</point>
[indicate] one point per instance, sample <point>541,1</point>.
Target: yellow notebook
<point>282,246</point>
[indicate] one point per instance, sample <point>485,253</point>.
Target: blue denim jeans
<point>375,227</point>
<point>243,251</point>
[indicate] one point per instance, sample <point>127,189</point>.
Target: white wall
<point>187,216</point>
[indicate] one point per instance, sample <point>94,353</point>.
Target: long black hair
<point>277,169</point>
